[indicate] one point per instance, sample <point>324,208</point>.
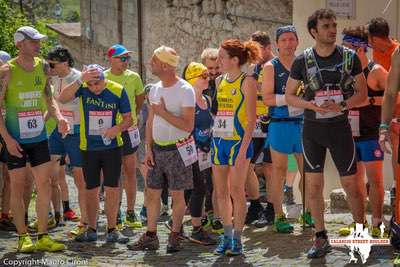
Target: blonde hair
<point>209,53</point>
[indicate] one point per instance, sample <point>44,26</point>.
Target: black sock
<point>57,216</point>
<point>109,230</point>
<point>321,234</point>
<point>151,234</point>
<point>26,218</point>
<point>66,206</point>
<point>42,235</point>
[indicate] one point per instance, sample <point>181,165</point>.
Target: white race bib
<point>134,135</point>
<point>354,119</point>
<point>187,150</point>
<point>31,123</point>
<point>294,111</point>
<point>332,95</point>
<point>223,124</point>
<point>258,133</point>
<point>99,121</point>
<point>69,116</point>
<point>204,160</point>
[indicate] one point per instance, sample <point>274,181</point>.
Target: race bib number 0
<point>332,95</point>
<point>204,160</point>
<point>134,135</point>
<point>99,121</point>
<point>258,133</point>
<point>31,123</point>
<point>69,116</point>
<point>223,124</point>
<point>354,119</point>
<point>187,150</point>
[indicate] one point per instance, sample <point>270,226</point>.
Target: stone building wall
<point>189,26</point>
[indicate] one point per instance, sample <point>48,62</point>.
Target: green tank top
<point>25,103</point>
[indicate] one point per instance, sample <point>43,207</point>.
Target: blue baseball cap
<point>4,56</point>
<point>117,50</point>
<point>285,29</point>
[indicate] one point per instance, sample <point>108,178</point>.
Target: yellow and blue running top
<point>230,122</point>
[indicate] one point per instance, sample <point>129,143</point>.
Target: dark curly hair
<point>61,54</point>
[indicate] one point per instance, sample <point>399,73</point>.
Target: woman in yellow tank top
<point>232,134</point>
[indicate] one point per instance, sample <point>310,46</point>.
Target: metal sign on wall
<point>343,8</point>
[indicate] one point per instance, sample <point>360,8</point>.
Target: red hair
<point>247,52</point>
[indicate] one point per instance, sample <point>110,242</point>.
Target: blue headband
<point>355,41</point>
<point>285,29</point>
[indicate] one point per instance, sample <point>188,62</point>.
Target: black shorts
<point>35,153</point>
<point>127,148</point>
<point>335,136</point>
<point>267,155</point>
<point>258,147</point>
<point>62,160</point>
<point>107,160</point>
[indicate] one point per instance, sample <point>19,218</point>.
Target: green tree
<point>11,19</point>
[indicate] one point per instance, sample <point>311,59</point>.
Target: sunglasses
<point>204,76</point>
<point>125,58</point>
<point>53,65</point>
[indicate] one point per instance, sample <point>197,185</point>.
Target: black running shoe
<point>320,248</point>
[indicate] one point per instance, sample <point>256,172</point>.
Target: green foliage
<point>12,19</point>
<point>72,16</point>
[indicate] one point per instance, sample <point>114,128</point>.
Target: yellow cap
<point>193,71</point>
<point>164,54</point>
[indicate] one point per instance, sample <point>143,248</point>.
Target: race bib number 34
<point>31,123</point>
<point>187,150</point>
<point>223,124</point>
<point>99,121</point>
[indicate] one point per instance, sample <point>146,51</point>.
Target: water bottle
<point>106,140</point>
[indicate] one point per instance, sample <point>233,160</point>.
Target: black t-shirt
<point>299,72</point>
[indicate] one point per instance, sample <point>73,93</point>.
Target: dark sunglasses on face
<point>204,76</point>
<point>125,58</point>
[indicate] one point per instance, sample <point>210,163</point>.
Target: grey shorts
<point>169,169</point>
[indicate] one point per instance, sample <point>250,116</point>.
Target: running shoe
<point>345,231</point>
<point>70,215</point>
<point>164,210</point>
<point>235,249</point>
<point>25,244</point>
<point>181,235</point>
<point>253,214</point>
<point>205,223</point>
<point>33,226</point>
<point>223,245</point>
<point>79,229</point>
<point>217,227</point>
<point>281,225</point>
<point>377,233</point>
<point>116,237</point>
<point>267,217</point>
<point>131,220</point>
<point>88,235</point>
<point>7,225</point>
<point>202,237</point>
<point>174,243</point>
<point>307,219</point>
<point>120,220</point>
<point>47,244</point>
<point>320,248</point>
<point>145,242</point>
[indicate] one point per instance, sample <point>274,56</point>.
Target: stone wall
<point>189,26</point>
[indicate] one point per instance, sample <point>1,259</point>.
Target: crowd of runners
<point>198,136</point>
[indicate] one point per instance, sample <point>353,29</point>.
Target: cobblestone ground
<point>263,247</point>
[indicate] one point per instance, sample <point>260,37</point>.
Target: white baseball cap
<point>4,56</point>
<point>29,33</point>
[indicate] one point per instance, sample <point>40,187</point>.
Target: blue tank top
<point>202,125</point>
<point>281,75</point>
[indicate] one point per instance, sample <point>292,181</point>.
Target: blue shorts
<point>224,152</point>
<point>369,150</point>
<point>67,146</point>
<point>285,137</point>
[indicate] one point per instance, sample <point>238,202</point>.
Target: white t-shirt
<point>176,97</point>
<point>71,109</point>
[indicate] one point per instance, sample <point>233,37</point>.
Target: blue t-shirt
<point>98,113</point>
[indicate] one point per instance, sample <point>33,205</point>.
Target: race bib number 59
<point>187,150</point>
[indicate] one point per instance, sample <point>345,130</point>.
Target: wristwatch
<point>343,106</point>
